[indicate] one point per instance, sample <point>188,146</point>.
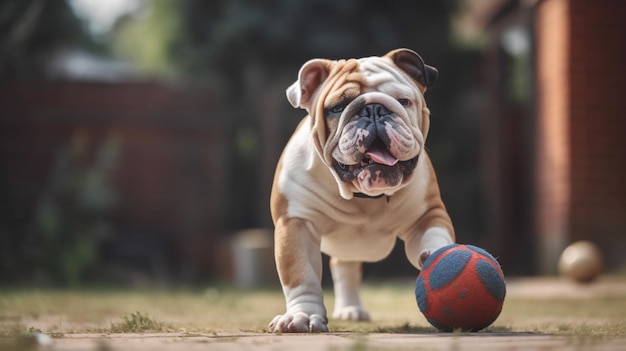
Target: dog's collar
<point>365,196</point>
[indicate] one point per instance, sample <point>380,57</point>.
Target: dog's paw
<point>299,322</point>
<point>352,313</point>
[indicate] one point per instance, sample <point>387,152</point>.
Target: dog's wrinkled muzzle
<point>378,145</point>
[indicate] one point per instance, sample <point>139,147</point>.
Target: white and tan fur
<point>315,210</point>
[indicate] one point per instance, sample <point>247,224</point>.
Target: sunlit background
<point>138,138</point>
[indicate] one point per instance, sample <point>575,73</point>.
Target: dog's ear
<point>411,63</point>
<point>311,76</point>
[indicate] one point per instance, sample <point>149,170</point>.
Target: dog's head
<point>369,118</point>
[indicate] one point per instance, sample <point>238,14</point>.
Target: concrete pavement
<point>335,342</point>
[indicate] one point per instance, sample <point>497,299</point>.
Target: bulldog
<point>352,179</point>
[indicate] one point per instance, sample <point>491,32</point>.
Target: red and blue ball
<point>460,287</point>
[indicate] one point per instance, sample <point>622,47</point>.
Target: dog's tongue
<point>381,156</point>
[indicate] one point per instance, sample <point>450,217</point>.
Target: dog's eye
<point>338,108</point>
<point>404,102</point>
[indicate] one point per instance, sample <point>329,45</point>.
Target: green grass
<point>138,322</point>
<point>227,310</point>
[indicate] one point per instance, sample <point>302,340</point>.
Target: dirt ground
<point>539,314</point>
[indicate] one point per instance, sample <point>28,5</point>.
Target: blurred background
<point>138,139</point>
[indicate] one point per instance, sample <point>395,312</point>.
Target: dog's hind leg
<point>347,281</point>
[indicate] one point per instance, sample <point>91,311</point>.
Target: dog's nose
<point>374,111</point>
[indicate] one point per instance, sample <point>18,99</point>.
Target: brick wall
<point>581,152</point>
<point>597,99</point>
<point>168,177</point>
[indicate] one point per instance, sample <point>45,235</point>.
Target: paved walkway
<point>334,342</point>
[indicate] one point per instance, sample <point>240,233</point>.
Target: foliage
<point>150,39</point>
<point>59,246</point>
<point>221,37</point>
<point>72,213</point>
<point>31,31</point>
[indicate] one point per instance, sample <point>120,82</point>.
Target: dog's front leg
<point>419,248</point>
<point>299,265</point>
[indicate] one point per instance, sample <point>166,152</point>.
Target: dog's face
<point>369,118</point>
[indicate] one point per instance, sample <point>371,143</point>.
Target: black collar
<point>365,196</point>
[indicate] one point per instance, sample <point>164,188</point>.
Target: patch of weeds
<point>17,337</point>
<point>497,329</point>
<point>19,330</point>
<point>138,322</point>
<point>33,330</point>
<point>404,328</point>
<point>13,330</point>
